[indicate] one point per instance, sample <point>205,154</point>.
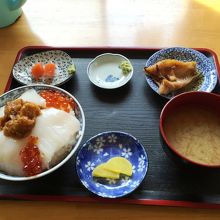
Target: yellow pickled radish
<point>100,171</point>
<point>119,165</point>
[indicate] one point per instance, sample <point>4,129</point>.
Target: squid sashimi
<point>32,96</point>
<point>56,131</point>
<point>10,161</point>
<point>2,109</point>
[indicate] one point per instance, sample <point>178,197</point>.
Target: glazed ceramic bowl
<point>22,69</point>
<point>202,100</point>
<point>104,71</point>
<point>15,93</point>
<point>204,67</point>
<point>104,146</point>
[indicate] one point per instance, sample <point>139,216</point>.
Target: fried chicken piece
<point>13,108</point>
<point>171,75</point>
<point>30,110</point>
<point>18,127</point>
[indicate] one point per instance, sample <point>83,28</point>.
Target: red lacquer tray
<point>135,109</point>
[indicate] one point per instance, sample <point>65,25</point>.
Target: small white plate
<point>104,71</point>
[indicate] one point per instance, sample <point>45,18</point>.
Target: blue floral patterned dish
<point>204,66</point>
<point>99,149</point>
<point>22,69</point>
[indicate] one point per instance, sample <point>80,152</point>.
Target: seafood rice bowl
<point>41,127</point>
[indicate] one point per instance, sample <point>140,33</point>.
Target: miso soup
<point>194,131</point>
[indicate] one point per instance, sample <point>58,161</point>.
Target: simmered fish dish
<point>171,75</point>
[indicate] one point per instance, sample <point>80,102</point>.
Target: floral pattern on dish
<point>114,143</point>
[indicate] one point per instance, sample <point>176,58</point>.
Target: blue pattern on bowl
<point>111,78</point>
<point>99,149</point>
<point>204,66</point>
<point>22,69</point>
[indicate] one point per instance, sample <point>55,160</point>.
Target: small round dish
<point>22,70</point>
<point>100,149</point>
<point>104,71</point>
<point>204,66</point>
<point>14,94</point>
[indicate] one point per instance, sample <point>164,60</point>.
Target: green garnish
<point>71,69</point>
<point>126,67</point>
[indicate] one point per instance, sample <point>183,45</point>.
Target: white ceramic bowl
<point>15,93</point>
<point>104,71</point>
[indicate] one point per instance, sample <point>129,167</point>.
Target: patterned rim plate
<point>14,94</point>
<point>204,66</point>
<point>22,70</point>
<point>100,149</point>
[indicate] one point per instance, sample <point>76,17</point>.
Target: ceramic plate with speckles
<point>104,146</point>
<point>22,69</point>
<point>204,66</point>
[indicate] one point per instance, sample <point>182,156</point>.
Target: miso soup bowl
<point>209,100</point>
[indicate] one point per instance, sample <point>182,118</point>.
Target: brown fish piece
<point>171,75</point>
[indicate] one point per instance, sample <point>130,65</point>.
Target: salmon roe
<point>30,157</point>
<point>58,100</point>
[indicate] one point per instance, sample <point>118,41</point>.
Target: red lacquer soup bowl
<point>190,129</point>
